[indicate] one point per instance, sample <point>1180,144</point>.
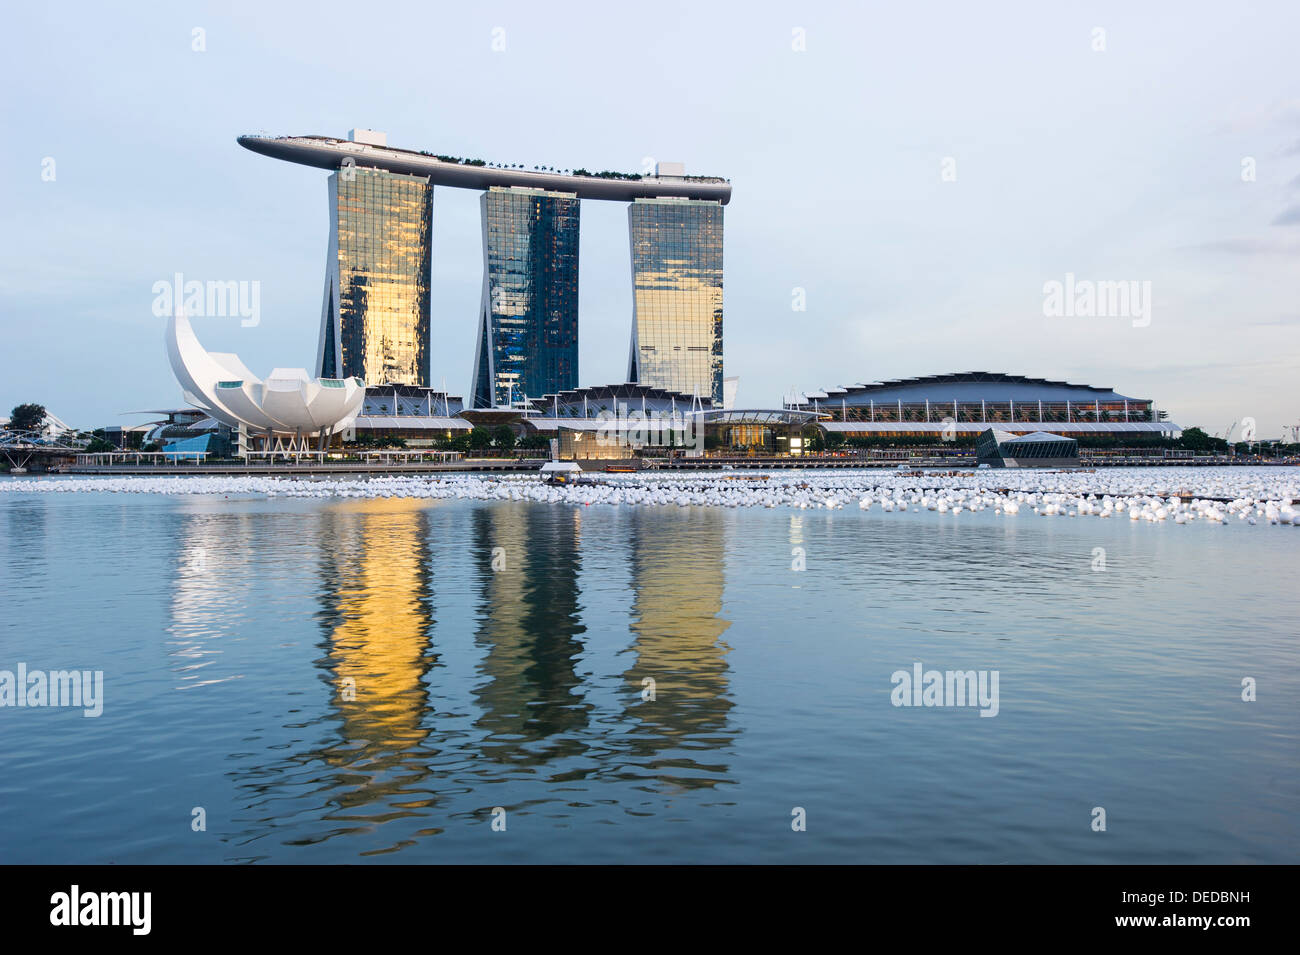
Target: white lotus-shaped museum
<point>289,403</point>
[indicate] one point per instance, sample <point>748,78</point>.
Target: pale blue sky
<point>1122,164</point>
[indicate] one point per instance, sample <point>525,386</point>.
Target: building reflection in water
<point>26,539</point>
<point>527,561</point>
<point>677,558</point>
<point>378,749</point>
<point>209,596</point>
<point>376,618</point>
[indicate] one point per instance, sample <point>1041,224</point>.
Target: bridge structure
<point>21,448</point>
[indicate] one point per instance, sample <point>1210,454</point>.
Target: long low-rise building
<point>969,403</point>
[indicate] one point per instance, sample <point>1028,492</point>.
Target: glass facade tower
<point>677,295</point>
<point>528,319</point>
<point>375,316</point>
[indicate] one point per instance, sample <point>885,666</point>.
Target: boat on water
<point>560,472</point>
<point>564,473</point>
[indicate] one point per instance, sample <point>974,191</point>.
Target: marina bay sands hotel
<point>375,320</point>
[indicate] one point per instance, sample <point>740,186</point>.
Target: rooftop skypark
<point>326,152</point>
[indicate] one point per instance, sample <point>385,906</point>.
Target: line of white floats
<point>1139,508</point>
<point>1176,495</point>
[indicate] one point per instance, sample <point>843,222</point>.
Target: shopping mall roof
<point>966,386</point>
<point>631,391</point>
<point>387,422</point>
<point>757,416</point>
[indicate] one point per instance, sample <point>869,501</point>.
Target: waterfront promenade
<point>418,462</point>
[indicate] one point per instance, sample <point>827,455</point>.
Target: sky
<point>908,179</point>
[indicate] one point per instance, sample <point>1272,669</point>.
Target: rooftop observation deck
<point>325,152</point>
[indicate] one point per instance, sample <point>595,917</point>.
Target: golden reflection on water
<point>519,694</point>
<point>678,582</point>
<point>375,569</point>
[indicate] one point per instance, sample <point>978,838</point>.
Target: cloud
<point>1283,320</point>
<point>1249,246</point>
<point>1284,113</point>
<point>1288,216</point>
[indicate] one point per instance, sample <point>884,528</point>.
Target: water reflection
<point>376,596</point>
<point>375,614</point>
<point>26,522</point>
<point>209,594</point>
<point>678,581</point>
<point>529,624</point>
<point>514,574</point>
<point>377,599</point>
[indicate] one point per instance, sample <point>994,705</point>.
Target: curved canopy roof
<point>413,423</point>
<point>758,416</point>
<point>628,391</point>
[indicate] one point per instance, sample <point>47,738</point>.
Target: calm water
<point>229,631</point>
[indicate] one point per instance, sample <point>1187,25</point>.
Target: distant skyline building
<point>527,342</point>
<point>677,295</point>
<point>375,317</point>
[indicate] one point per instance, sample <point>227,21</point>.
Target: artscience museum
<point>283,412</point>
